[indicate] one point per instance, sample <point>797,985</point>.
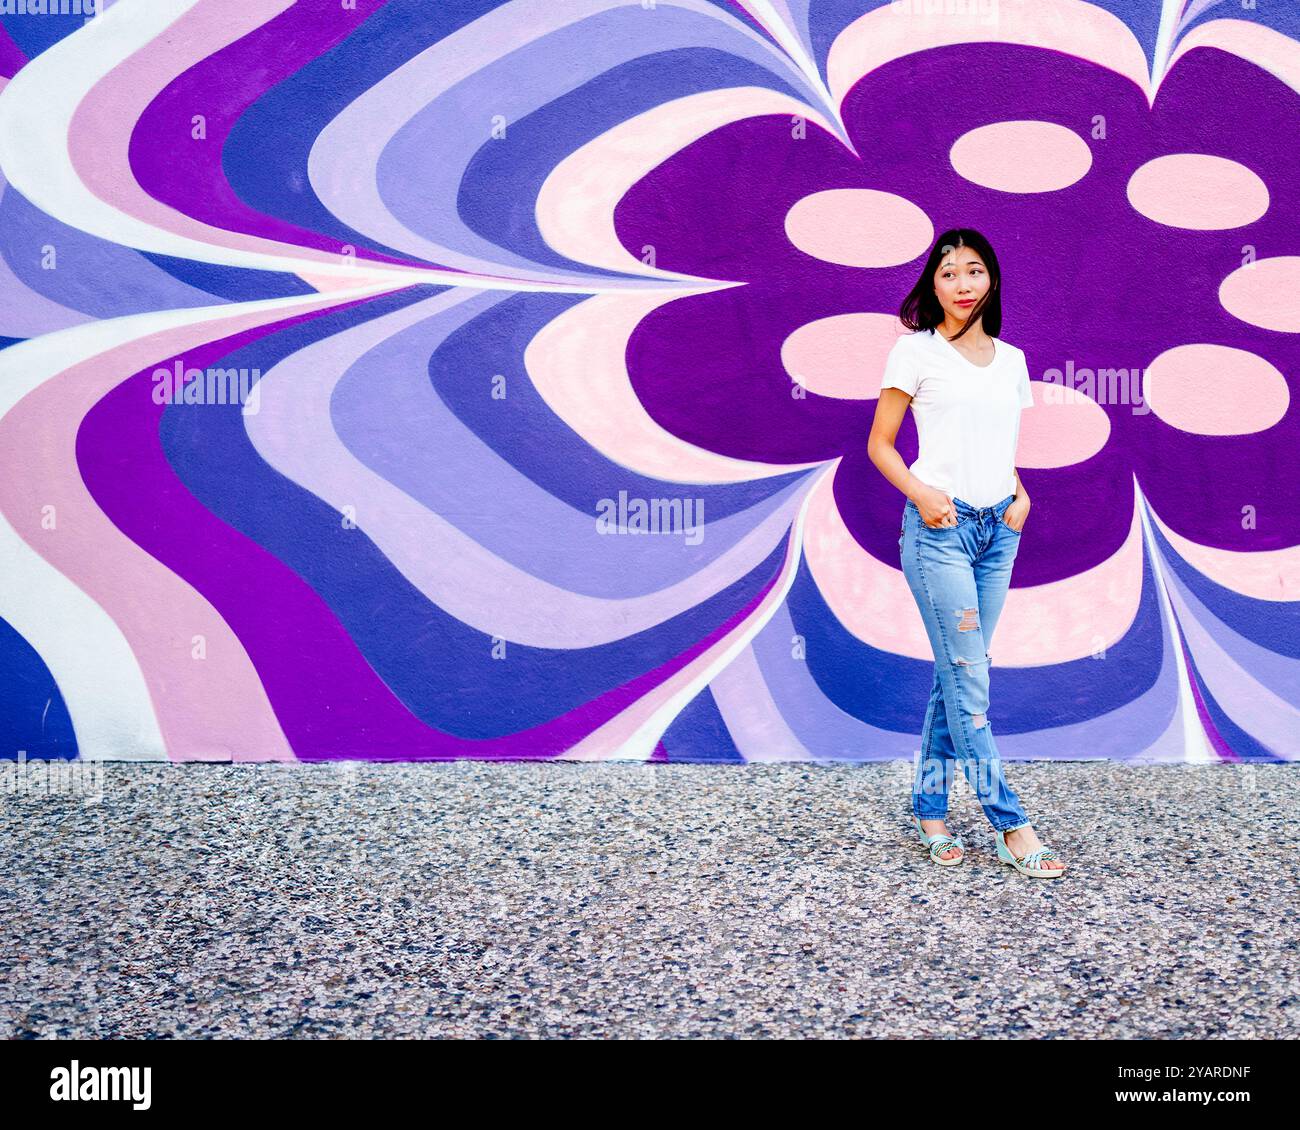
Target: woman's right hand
<point>936,508</point>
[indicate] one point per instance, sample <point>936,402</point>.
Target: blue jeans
<point>959,576</point>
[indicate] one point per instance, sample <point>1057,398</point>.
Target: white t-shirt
<point>967,417</point>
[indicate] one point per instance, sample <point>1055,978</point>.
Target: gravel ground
<point>571,899</point>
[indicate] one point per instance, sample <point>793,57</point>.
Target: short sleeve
<point>1026,395</point>
<point>900,368</point>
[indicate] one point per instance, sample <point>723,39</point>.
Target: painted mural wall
<point>492,379</point>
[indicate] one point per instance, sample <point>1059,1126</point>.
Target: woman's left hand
<point>1016,513</point>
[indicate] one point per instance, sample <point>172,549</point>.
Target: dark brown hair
<point>921,309</point>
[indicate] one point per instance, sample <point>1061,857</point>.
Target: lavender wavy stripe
<point>342,709</point>
<point>25,312</point>
<point>441,669</point>
<point>188,174</point>
<point>1204,714</point>
<point>390,417</point>
<point>74,276</point>
<point>524,430</point>
<point>1271,624</point>
<point>620,65</point>
<point>294,433</point>
<point>1251,680</point>
<point>267,150</point>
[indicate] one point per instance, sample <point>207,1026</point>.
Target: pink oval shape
<point>1263,293</point>
<point>841,356</point>
<point>859,227</point>
<point>1063,427</point>
<point>1215,390</point>
<point>1198,191</point>
<point>1022,156</point>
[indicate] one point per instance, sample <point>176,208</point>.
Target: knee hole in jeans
<point>970,619</point>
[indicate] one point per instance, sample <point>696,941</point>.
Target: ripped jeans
<point>959,576</point>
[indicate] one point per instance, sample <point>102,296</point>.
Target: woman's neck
<point>975,335</point>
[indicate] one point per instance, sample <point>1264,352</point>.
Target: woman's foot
<point>939,828</point>
<point>1024,840</point>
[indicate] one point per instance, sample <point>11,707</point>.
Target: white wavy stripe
<point>1170,11</point>
<point>1257,44</point>
<point>787,36</point>
<point>36,110</point>
<point>1196,745</point>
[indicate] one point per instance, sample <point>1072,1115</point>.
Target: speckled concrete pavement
<point>566,899</point>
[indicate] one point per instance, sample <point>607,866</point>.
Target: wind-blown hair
<point>921,309</point>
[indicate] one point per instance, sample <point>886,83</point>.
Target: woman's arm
<point>891,407</point>
<point>1020,487</point>
<point>936,507</point>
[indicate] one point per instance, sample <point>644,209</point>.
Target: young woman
<point>961,528</point>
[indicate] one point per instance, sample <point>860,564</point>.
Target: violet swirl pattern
<point>492,378</point>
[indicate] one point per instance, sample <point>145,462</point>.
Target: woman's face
<point>960,282</point>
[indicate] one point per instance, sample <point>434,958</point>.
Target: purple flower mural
<point>556,332</point>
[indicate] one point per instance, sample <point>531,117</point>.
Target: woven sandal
<point>1030,864</point>
<point>939,843</point>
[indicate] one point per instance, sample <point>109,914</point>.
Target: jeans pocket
<point>1003,520</point>
<point>961,521</point>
